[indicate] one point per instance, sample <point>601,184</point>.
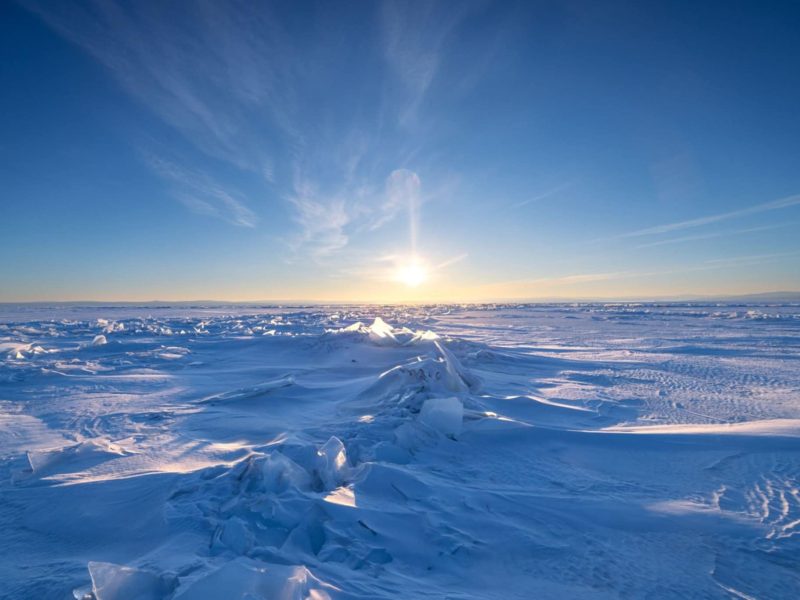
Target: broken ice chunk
<point>116,582</point>
<point>332,463</point>
<point>443,414</point>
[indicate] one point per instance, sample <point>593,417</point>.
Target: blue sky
<point>398,150</point>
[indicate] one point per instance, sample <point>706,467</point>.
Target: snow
<point>503,451</point>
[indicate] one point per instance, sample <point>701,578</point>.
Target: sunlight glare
<point>412,273</point>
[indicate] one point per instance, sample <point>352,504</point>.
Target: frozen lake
<point>514,451</point>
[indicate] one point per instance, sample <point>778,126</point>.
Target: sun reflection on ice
<point>343,496</point>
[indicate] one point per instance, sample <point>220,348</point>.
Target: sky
<point>398,151</point>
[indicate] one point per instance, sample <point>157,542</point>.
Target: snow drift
<point>584,451</point>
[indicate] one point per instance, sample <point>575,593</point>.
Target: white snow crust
<point>362,452</point>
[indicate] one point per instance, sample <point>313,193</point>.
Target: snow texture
<point>462,452</point>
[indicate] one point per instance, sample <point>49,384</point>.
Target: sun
<point>412,273</point>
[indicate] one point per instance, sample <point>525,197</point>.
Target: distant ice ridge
<point>517,452</point>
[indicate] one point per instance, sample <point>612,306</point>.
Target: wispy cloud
<point>322,223</point>
<point>707,236</point>
<point>201,194</point>
<point>581,278</point>
<point>752,259</point>
<point>323,226</point>
<point>414,38</point>
<point>734,214</point>
<point>236,82</point>
<point>706,265</point>
<point>543,196</point>
<point>327,220</point>
<point>451,261</point>
<point>402,194</point>
<point>206,71</point>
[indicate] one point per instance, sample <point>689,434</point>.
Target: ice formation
<point>261,453</point>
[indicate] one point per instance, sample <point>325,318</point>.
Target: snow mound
<point>254,391</point>
<point>69,459</point>
<point>537,451</point>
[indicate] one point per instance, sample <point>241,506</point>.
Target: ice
<point>443,414</point>
<point>381,333</point>
<point>458,379</point>
<point>250,580</point>
<point>350,452</point>
<point>116,582</point>
<point>332,463</point>
<point>281,473</point>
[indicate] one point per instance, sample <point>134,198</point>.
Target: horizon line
<point>524,300</point>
